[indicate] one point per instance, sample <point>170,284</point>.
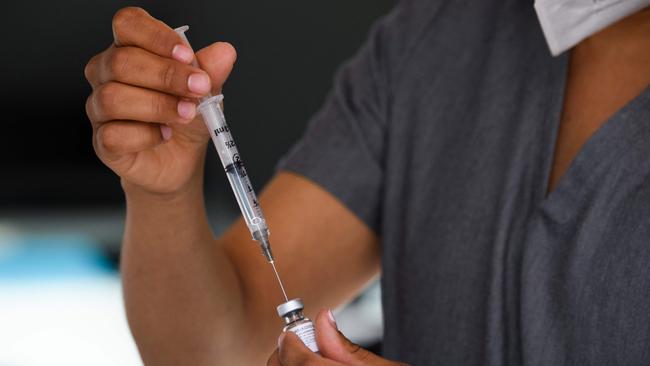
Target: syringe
<point>210,109</point>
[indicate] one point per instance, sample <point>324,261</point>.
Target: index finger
<point>133,26</point>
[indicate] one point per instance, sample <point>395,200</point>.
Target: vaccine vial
<point>296,322</point>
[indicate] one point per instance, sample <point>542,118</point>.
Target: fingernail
<point>281,339</point>
<point>186,110</point>
<point>182,53</point>
<point>166,132</point>
<point>332,320</point>
<point>198,83</point>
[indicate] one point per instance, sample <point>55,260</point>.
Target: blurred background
<point>61,210</point>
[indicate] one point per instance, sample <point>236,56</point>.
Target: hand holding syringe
<point>212,113</point>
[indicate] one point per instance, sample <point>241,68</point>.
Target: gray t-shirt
<point>439,134</point>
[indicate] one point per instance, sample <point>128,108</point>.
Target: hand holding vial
<point>333,349</point>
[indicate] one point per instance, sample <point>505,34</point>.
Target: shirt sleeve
<point>343,147</point>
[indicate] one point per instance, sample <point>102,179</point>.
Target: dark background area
<point>288,52</point>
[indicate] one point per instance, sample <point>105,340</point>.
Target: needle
<point>279,281</point>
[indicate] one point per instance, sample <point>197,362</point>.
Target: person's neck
<point>628,40</point>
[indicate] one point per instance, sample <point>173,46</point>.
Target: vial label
<point>307,334</point>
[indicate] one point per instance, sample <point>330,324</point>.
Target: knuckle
<point>123,21</point>
<point>89,69</point>
<point>158,39</point>
<point>362,354</point>
<point>89,108</point>
<point>106,98</point>
<point>157,106</point>
<point>109,137</point>
<point>359,352</point>
<point>145,137</point>
<point>355,348</point>
<point>126,15</point>
<point>118,62</point>
<point>167,75</point>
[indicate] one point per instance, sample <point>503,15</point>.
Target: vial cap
<point>289,306</point>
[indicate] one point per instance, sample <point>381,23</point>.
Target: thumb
<point>217,60</point>
<point>333,344</point>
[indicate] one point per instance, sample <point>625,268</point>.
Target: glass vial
<point>296,322</point>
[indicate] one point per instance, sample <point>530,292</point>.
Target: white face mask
<point>567,22</point>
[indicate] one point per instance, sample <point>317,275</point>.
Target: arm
<point>207,301</point>
<point>191,298</point>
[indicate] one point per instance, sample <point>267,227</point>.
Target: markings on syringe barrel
<point>238,167</point>
<point>223,129</point>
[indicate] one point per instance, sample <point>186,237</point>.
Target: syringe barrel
<point>215,121</point>
<point>210,109</point>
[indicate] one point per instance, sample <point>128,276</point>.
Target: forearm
<point>182,294</point>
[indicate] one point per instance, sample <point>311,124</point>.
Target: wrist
<point>169,212</point>
<point>191,189</point>
<point>135,193</point>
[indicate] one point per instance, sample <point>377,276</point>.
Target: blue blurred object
<point>37,257</point>
<point>60,302</point>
